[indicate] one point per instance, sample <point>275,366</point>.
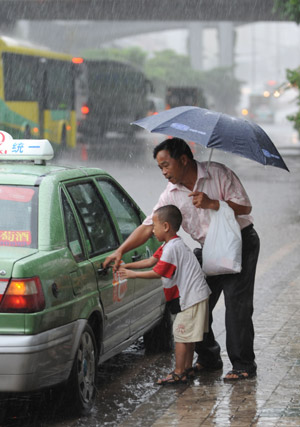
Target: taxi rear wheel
<point>84,372</point>
<point>160,338</point>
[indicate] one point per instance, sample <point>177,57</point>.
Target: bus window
<point>59,85</point>
<point>19,77</point>
<point>116,96</point>
<point>37,100</point>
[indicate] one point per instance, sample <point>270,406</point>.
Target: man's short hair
<point>175,146</point>
<point>170,214</point>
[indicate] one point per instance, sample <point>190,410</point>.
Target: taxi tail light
<point>23,296</point>
<point>3,286</point>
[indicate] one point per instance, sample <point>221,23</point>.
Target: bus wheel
<point>82,379</point>
<point>27,133</point>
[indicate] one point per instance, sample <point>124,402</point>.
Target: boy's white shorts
<point>190,324</point>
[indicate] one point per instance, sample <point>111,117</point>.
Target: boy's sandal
<point>172,379</point>
<point>190,373</point>
<point>236,375</point>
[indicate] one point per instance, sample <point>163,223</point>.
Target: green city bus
<point>37,93</point>
<point>116,95</point>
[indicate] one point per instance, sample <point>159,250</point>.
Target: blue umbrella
<point>216,130</point>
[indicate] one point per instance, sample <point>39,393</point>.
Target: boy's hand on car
<point>126,274</point>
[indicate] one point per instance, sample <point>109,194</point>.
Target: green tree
<point>172,68</point>
<point>223,89</point>
<point>293,77</point>
<point>288,8</point>
<point>291,9</point>
<point>134,55</point>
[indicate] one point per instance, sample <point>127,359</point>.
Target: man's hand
<point>116,257</point>
<point>201,200</point>
<point>137,238</point>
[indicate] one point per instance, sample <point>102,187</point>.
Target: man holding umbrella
<point>195,193</point>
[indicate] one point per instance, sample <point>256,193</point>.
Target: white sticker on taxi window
<point>119,286</point>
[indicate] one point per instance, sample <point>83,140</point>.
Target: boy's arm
<point>144,263</point>
<point>131,274</point>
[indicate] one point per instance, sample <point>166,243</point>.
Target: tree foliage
<point>289,9</point>
<point>293,77</point>
<point>223,89</point>
<point>133,55</point>
<point>172,68</point>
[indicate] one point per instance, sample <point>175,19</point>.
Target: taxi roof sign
<point>37,150</point>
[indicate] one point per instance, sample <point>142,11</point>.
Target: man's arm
<point>239,209</point>
<point>137,238</point>
<point>201,200</point>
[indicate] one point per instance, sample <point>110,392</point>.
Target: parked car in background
<point>261,109</point>
<point>155,105</point>
<point>61,312</point>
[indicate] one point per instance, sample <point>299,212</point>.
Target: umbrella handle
<point>206,171</point>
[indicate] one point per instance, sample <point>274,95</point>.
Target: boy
<point>182,279</point>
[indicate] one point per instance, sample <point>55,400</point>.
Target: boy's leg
<point>181,353</point>
<point>190,355</point>
<point>178,375</point>
<point>184,353</point>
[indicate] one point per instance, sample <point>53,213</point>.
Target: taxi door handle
<point>102,271</point>
<point>136,257</point>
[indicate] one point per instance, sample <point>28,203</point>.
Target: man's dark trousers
<point>238,292</point>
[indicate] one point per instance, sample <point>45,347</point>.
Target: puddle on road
<point>127,381</point>
<point>124,383</point>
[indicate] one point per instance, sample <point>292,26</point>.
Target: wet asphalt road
<point>127,381</point>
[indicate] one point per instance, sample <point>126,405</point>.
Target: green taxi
<point>61,312</point>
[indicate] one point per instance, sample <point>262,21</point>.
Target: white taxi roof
<point>37,150</point>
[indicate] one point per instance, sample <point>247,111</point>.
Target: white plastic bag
<point>222,250</point>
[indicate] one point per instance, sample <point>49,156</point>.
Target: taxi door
<point>101,238</point>
<point>148,294</point>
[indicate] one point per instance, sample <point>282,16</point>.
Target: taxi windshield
<point>18,220</point>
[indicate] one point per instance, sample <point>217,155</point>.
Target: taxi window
<point>127,215</point>
<point>18,220</point>
<point>94,217</point>
<point>73,236</point>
